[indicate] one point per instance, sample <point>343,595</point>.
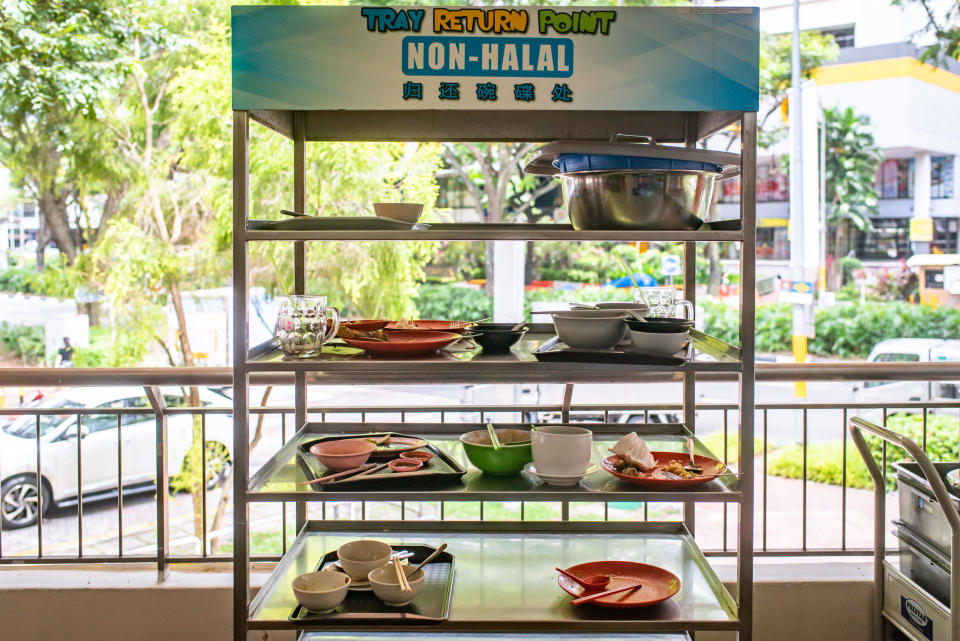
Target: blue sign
<point>580,58</point>
<point>670,265</point>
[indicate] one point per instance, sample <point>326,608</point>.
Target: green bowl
<point>514,452</point>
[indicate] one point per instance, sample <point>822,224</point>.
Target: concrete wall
<point>823,599</point>
<point>58,316</point>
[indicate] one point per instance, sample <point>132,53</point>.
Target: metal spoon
<point>594,582</point>
<point>692,467</point>
<point>517,327</point>
<point>493,437</point>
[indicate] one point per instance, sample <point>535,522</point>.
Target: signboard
<point>583,58</point>
<point>670,265</point>
<point>921,230</point>
<point>797,292</point>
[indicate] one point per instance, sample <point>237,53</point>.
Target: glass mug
<point>663,302</point>
<point>303,325</point>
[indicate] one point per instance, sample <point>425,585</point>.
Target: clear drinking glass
<point>303,324</point>
<point>663,302</point>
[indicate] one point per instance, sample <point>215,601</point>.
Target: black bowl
<point>660,325</point>
<point>496,338</point>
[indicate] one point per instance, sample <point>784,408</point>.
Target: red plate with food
<point>656,584</point>
<point>667,463</point>
<point>406,342</point>
<point>436,325</point>
<point>365,325</point>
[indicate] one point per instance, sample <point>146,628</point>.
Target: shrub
<point>824,459</point>
<point>23,341</point>
<point>453,302</point>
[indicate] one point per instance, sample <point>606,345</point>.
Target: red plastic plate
<point>405,342</point>
<point>712,468</point>
<point>657,584</point>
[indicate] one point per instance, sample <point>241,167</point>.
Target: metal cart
<point>898,601</point>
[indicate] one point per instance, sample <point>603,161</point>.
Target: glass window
<point>945,231</point>
<point>891,358</point>
<point>890,239</point>
<point>26,426</point>
<point>895,178</point>
<point>843,35</point>
<point>941,177</point>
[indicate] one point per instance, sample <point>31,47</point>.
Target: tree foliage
<point>943,26</point>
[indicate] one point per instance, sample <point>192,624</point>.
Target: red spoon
<point>595,582</point>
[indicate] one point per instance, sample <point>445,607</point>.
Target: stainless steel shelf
<point>454,231</point>
<point>505,579</point>
<point>462,364</point>
<point>280,477</point>
<point>314,635</point>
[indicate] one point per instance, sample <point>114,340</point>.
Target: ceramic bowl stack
<point>596,329</point>
<point>659,336</point>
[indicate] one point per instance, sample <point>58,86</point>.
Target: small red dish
<point>656,584</point>
<point>406,342</point>
<point>420,455</point>
<point>405,465</point>
<point>365,325</point>
<point>436,325</point>
<point>712,468</point>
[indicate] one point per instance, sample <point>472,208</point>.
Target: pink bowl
<point>344,454</point>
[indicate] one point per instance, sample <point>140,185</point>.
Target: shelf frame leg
<point>300,273</point>
<point>241,379</point>
<point>748,302</point>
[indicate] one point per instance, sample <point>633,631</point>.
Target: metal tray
<point>923,563</point>
<point>432,605</point>
<point>441,469</point>
<point>556,352</point>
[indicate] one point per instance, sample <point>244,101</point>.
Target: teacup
<point>663,302</point>
<point>561,449</point>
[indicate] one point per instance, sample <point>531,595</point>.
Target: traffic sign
<point>670,265</point>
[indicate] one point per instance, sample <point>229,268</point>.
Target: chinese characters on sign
<point>526,58</point>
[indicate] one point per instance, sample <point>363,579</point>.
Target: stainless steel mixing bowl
<point>649,200</point>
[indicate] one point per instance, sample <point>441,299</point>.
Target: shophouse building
<point>913,108</point>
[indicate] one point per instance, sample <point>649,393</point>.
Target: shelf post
<point>690,294</point>
<point>748,266</point>
<point>241,408</point>
<point>300,272</point>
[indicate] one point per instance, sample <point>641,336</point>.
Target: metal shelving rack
<point>525,601</point>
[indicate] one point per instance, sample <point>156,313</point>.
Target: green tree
<point>945,28</point>
<point>57,62</point>
<point>852,159</point>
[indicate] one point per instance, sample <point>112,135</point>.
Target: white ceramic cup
<point>561,449</point>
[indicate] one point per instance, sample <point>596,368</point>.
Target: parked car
<point>99,450</point>
<point>910,350</point>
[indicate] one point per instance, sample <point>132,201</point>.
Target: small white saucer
<point>560,480</point>
<point>355,586</point>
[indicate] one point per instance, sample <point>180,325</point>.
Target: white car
<point>99,448</point>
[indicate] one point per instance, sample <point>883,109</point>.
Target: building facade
<point>912,107</point>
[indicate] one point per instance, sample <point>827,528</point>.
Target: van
<point>910,350</point>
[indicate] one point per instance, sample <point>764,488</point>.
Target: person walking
<point>65,354</point>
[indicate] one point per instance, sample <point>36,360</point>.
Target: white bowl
<point>387,589</point>
<point>585,329</point>
<point>321,592</point>
<point>637,310</point>
<point>404,212</point>
<point>358,558</point>
<point>659,344</point>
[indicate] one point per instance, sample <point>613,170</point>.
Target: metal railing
<point>159,546</point>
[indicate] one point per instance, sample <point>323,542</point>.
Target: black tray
<point>555,351</point>
<point>432,605</point>
<point>441,469</point>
